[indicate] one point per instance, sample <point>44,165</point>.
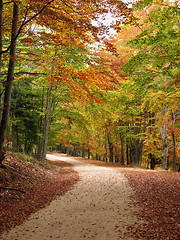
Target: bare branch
<point>26,73</point>
<point>14,189</point>
<point>30,73</point>
<point>25,23</point>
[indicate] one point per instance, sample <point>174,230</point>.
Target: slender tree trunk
<point>117,154</point>
<point>122,149</point>
<point>152,161</point>
<point>8,86</point>
<point>1,45</point>
<point>163,132</point>
<point>174,143</point>
<point>131,155</point>
<point>75,152</point>
<point>83,152</point>
<point>105,157</point>
<point>89,153</point>
<point>39,147</point>
<point>46,123</point>
<point>137,144</point>
<point>111,148</point>
<point>127,154</point>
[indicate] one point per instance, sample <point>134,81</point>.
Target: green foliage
<point>141,59</point>
<point>139,5</point>
<point>93,105</point>
<point>26,110</point>
<point>160,42</point>
<point>75,56</point>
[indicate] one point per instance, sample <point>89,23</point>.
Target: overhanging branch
<point>25,23</point>
<point>28,73</point>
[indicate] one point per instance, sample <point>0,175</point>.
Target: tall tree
<point>8,84</point>
<point>72,19</point>
<point>155,65</point>
<point>1,22</point>
<point>15,32</point>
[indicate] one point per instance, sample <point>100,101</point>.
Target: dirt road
<point>98,207</point>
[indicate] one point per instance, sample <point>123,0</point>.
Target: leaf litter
<point>40,183</point>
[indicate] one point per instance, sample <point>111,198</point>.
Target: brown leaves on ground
<point>158,196</point>
<point>40,182</point>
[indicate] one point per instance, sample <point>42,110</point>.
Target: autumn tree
<point>15,31</point>
<point>57,23</point>
<point>141,114</point>
<point>155,67</point>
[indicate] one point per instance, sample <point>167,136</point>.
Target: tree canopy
<point>89,86</point>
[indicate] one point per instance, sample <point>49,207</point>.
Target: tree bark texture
<point>46,123</point>
<point>163,132</point>
<point>122,149</point>
<point>111,148</point>
<point>9,81</point>
<point>89,153</point>
<point>1,45</point>
<point>174,143</point>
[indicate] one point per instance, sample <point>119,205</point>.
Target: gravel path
<point>98,207</point>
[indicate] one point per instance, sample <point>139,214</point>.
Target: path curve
<point>97,208</point>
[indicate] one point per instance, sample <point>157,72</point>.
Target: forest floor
<point>150,208</point>
<point>39,183</point>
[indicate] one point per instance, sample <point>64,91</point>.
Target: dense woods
<point>97,79</point>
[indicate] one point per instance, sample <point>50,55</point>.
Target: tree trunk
<point>39,147</point>
<point>137,144</point>
<point>89,153</point>
<point>75,152</point>
<point>46,124</point>
<point>174,143</point>
<point>105,157</point>
<point>83,153</point>
<point>127,154</point>
<point>1,22</point>
<point>122,149</point>
<point>8,86</point>
<point>152,161</point>
<point>111,148</point>
<point>117,154</point>
<point>163,132</point>
<point>135,152</point>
